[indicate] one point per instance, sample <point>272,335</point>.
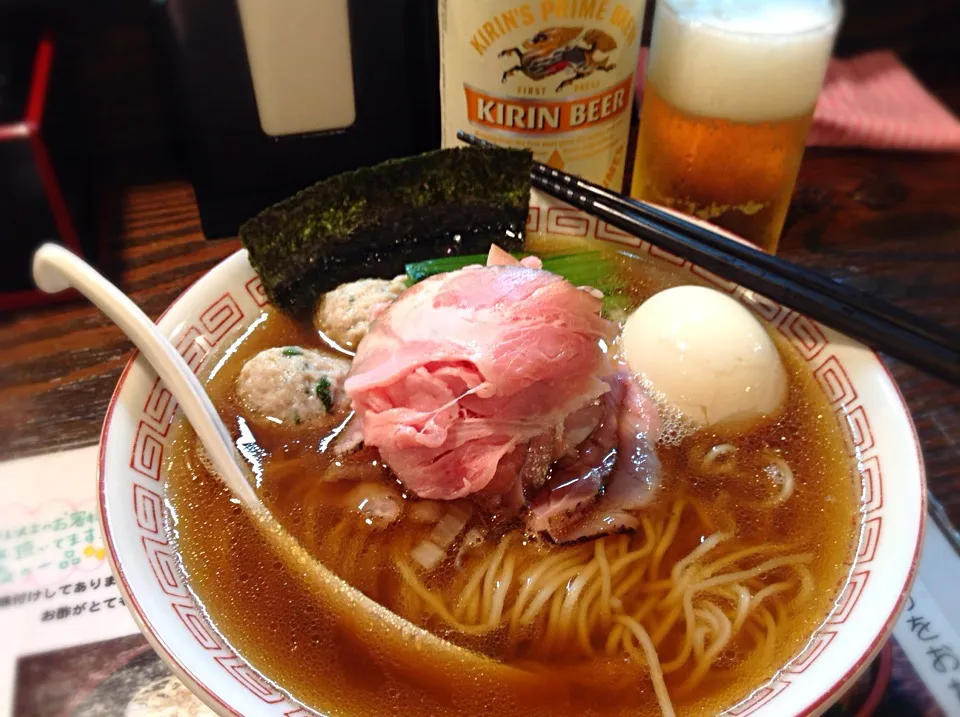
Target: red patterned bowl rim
<point>563,220</point>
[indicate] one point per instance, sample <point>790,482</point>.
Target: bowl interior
<point>867,403</point>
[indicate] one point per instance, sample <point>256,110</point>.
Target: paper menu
<point>929,629</point>
<point>49,531</point>
<point>68,645</point>
<point>54,575</point>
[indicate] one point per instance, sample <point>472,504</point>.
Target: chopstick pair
<point>885,327</point>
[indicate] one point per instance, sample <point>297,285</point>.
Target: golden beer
<point>727,105</point>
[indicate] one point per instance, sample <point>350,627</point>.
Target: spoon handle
<point>56,269</point>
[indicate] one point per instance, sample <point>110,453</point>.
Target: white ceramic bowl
<point>225,301</point>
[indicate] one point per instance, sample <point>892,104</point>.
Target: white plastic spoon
<point>55,269</point>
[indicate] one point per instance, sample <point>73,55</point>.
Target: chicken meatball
<point>345,314</point>
<point>293,386</point>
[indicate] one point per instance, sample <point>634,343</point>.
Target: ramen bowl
<point>873,417</point>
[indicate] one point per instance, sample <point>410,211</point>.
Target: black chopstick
<point>934,351</point>
<point>860,300</point>
<point>788,270</point>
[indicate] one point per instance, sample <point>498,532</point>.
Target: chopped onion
<point>427,555</point>
<point>431,551</point>
<point>450,526</point>
<point>472,539</point>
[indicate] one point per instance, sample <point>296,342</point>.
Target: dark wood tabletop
<point>888,223</point>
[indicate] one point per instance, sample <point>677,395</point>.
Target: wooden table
<point>887,223</point>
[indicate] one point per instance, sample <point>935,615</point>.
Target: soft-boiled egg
<point>706,355</point>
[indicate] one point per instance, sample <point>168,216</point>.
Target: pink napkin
<point>873,100</point>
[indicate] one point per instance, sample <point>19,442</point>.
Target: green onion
<point>420,270</point>
<point>616,305</point>
<point>589,268</point>
<point>323,393</point>
<point>292,351</point>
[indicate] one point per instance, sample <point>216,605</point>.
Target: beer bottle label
<point>555,77</point>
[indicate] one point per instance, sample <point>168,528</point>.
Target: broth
<point>281,629</point>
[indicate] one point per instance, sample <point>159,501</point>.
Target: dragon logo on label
<point>554,50</point>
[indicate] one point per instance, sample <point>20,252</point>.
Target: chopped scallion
<point>323,393</point>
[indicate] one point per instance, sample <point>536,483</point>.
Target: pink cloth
<point>873,100</point>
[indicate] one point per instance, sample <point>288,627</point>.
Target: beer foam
<point>742,60</point>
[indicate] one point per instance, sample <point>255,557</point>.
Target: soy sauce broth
<point>283,631</point>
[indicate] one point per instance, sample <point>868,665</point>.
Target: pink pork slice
<point>466,366</point>
<point>500,257</point>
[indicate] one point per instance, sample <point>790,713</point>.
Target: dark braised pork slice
<point>612,473</point>
<point>505,495</point>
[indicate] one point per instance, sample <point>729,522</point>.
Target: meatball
<point>293,386</point>
<point>345,314</point>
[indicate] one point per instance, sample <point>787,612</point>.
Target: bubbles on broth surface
<point>674,426</point>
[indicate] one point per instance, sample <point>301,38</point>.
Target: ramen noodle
<point>554,76</point>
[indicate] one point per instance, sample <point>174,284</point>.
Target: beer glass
<point>729,98</point>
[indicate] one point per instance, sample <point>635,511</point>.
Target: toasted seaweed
<point>451,201</point>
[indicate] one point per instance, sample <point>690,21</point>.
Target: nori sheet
<point>374,220</point>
